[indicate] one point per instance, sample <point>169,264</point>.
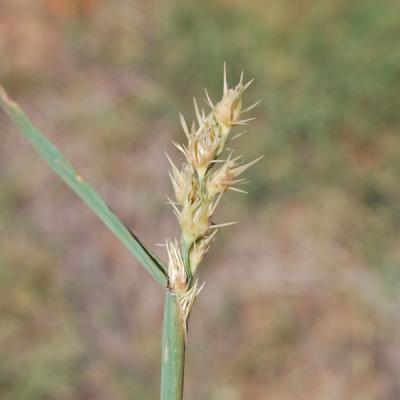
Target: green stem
<point>173,349</point>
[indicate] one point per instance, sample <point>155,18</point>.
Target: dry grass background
<point>302,297</point>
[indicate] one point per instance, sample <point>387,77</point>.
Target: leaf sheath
<point>173,350</point>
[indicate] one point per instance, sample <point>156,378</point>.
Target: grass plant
<point>209,170</point>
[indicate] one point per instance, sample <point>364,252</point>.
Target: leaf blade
<point>66,171</point>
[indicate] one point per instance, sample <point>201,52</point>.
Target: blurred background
<point>302,297</point>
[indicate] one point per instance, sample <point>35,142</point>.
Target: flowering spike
<point>204,177</point>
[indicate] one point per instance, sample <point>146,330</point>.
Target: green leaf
<point>70,176</point>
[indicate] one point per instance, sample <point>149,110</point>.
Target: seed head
<point>199,184</point>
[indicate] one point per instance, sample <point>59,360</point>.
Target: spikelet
<point>227,112</point>
<point>194,220</point>
<point>178,282</point>
<point>202,148</point>
<point>199,250</point>
<point>226,176</point>
<point>187,300</point>
<point>183,182</point>
<point>199,185</point>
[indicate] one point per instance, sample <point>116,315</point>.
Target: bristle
<point>223,225</point>
<point>238,135</point>
<point>239,170</point>
<point>235,189</point>
<point>184,125</point>
<point>196,108</point>
<point>209,102</point>
<point>173,166</point>
<point>180,147</point>
<point>173,205</point>
<point>252,107</point>
<point>245,121</point>
<point>241,78</point>
<point>247,85</point>
<point>225,80</point>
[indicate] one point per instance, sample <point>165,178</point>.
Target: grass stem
<point>173,349</point>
